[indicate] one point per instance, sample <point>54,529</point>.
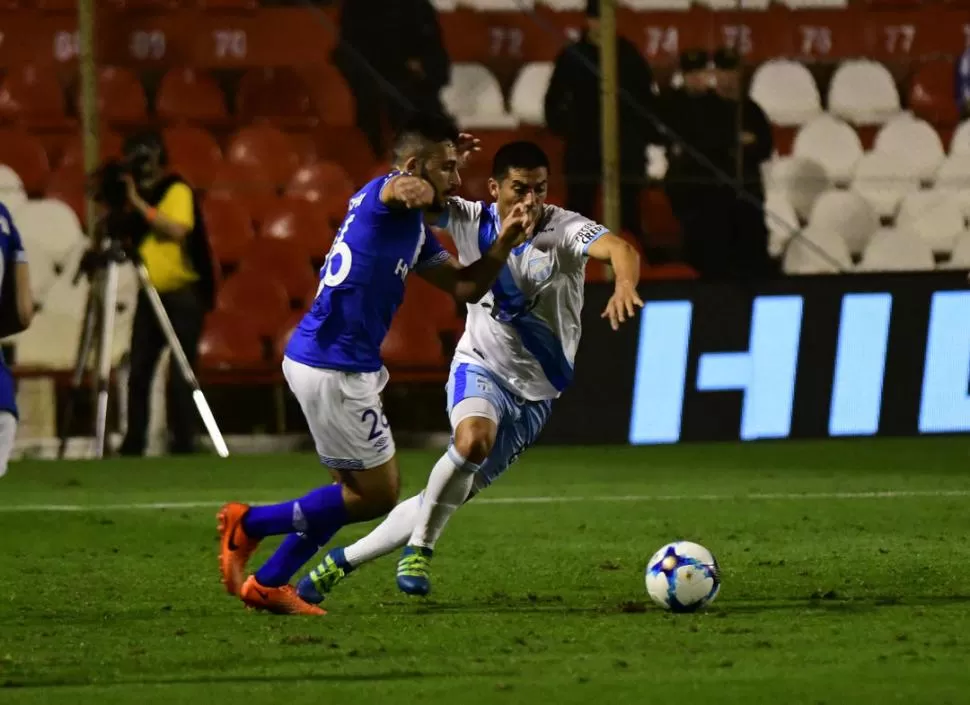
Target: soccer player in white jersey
<point>16,311</point>
<point>515,358</point>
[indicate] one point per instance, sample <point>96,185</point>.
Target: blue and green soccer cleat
<point>321,580</point>
<point>414,570</point>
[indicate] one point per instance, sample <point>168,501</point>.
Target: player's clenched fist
<point>517,226</point>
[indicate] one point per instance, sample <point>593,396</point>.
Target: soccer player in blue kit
<point>332,363</point>
<point>16,312</point>
<point>515,358</point>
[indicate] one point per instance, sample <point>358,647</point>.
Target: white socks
<point>448,486</point>
<point>390,535</point>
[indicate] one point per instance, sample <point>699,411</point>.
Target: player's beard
<point>440,199</point>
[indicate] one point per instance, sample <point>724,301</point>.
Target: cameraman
<point>164,229</point>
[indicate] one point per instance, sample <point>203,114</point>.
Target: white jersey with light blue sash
<point>526,329</point>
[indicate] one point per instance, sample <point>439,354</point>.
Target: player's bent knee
<point>474,438</point>
<point>370,494</point>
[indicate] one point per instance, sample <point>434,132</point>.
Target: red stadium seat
<point>932,94</point>
<point>302,224</point>
<point>193,153</point>
<point>266,148</point>
<point>229,228</point>
<point>412,342</point>
<point>287,264</point>
<point>257,295</point>
<point>348,147</point>
<point>326,183</point>
<point>190,95</point>
<point>283,337</point>
<point>109,145</point>
<point>121,97</point>
<point>658,217</point>
<point>332,98</point>
<point>229,341</point>
<point>278,95</point>
<point>32,95</point>
<point>25,155</point>
<point>67,184</point>
<point>247,182</point>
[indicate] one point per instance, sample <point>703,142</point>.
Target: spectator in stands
<point>963,84</point>
<point>393,57</point>
<point>572,108</point>
<point>165,227</point>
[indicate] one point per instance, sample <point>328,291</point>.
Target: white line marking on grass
<point>758,496</point>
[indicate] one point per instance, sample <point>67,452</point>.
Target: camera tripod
<point>101,267</point>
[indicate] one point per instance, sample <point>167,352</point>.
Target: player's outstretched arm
<point>470,283</point>
<point>625,261</point>
<point>406,191</point>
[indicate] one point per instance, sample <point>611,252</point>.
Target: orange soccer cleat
<point>235,546</point>
<point>278,600</point>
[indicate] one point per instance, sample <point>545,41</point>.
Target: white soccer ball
<point>683,577</point>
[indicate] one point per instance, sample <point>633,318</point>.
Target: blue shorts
<point>519,421</point>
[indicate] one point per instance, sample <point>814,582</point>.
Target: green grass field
<point>846,580</point>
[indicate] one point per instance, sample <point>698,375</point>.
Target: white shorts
<point>345,414</point>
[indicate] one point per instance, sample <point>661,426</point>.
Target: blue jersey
<point>362,283</point>
<point>11,252</point>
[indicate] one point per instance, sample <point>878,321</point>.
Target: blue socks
<point>311,522</point>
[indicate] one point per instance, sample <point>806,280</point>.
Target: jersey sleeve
<point>176,205</point>
<point>432,252</point>
<point>8,229</point>
<point>578,233</point>
<point>461,220</point>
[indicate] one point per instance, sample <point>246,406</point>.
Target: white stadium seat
<point>816,4</point>
<point>781,221</point>
<point>848,214</point>
<point>445,5</point>
<point>50,225</point>
<point>863,92</point>
<point>817,252</point>
<point>42,272</point>
<point>498,5</point>
<point>960,258</point>
<point>12,193</point>
<point>934,216</point>
<point>474,98</point>
<point>646,5</point>
<point>913,140</point>
<point>897,250</point>
<point>960,142</point>
<point>953,177</point>
<point>883,179</point>
<point>801,180</point>
<point>786,91</point>
<point>50,342</point>
<point>732,5</point>
<point>564,5</point>
<point>832,143</point>
<point>528,96</point>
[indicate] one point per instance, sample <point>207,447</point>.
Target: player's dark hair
<point>518,155</point>
<point>420,131</point>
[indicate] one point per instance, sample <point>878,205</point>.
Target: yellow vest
<point>167,263</point>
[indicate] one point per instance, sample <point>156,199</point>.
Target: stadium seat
<point>12,193</point>
<point>498,5</point>
<point>914,141</point>
<point>121,97</point>
<point>32,95</point>
<point>475,98</point>
<point>883,178</point>
<point>334,102</point>
<point>66,184</point>
<point>193,153</point>
<point>848,214</point>
<point>229,228</point>
<point>326,183</point>
<point>563,5</point>
<point>49,343</point>
<point>954,178</point>
<point>229,341</point>
<point>190,95</point>
<point>781,221</point>
<point>653,5</point>
<point>960,257</point>
<point>302,224</point>
<point>284,334</point>
<point>817,251</point>
<point>26,156</point>
<point>729,5</point>
<point>109,146</point>
<point>275,94</point>
<point>267,148</point>
<point>445,5</point>
<point>897,250</point>
<point>412,342</point>
<point>52,226</point>
<point>863,92</point>
<point>786,91</point>
<point>348,147</point>
<point>931,93</point>
<point>801,180</point>
<point>43,273</point>
<point>933,216</point>
<point>816,4</point>
<point>65,298</point>
<point>960,142</point>
<point>832,143</point>
<point>258,295</point>
<point>288,265</point>
<point>529,92</point>
<point>248,182</point>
